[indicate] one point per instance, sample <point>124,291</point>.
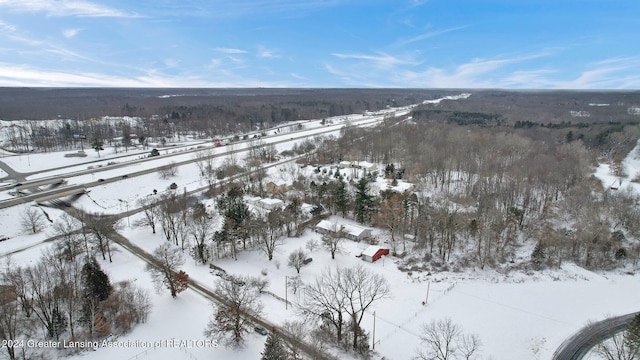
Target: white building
<point>349,231</point>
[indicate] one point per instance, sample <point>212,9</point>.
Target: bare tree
<point>296,259</point>
<point>295,283</point>
<point>229,322</point>
<point>67,276</point>
<point>298,332</point>
<point>624,345</point>
<point>325,300</point>
<point>345,293</point>
<point>71,243</point>
<point>206,165</point>
<point>200,227</point>
<point>311,245</point>
<point>332,242</point>
<point>259,283</point>
<point>164,271</point>
<point>149,206</point>
<point>168,171</point>
<point>444,340</point>
<point>40,285</point>
<point>269,232</point>
<point>32,220</point>
<point>14,323</point>
<point>126,306</point>
<point>390,216</point>
<point>173,216</point>
<point>361,289</point>
<point>103,229</point>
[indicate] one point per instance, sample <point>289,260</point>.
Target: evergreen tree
<point>236,213</point>
<point>632,336</point>
<point>58,323</point>
<point>538,256</point>
<point>363,202</point>
<point>341,197</point>
<point>273,348</point>
<point>97,144</point>
<point>95,282</point>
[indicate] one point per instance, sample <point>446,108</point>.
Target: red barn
<point>373,253</point>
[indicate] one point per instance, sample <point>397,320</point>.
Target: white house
<point>270,204</point>
<point>349,231</point>
<point>365,165</point>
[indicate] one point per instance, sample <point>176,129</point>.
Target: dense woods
<point>483,193</point>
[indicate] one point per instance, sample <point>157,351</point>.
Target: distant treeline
<point>458,117</point>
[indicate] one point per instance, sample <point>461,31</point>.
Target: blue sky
<point>530,44</point>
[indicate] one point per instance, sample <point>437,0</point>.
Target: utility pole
<point>426,300</point>
<point>373,336</point>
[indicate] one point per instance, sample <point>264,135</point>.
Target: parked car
<point>173,186</point>
<point>260,330</point>
<point>307,260</point>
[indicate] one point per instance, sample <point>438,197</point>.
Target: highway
<point>579,345</point>
<point>205,291</point>
<point>152,164</point>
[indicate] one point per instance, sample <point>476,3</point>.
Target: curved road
<point>578,345</point>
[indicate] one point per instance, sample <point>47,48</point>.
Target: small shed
<point>373,253</point>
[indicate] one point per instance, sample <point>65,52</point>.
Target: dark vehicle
<point>154,152</point>
<point>260,330</point>
<point>100,180</point>
<point>173,186</point>
<point>125,176</point>
<point>307,260</point>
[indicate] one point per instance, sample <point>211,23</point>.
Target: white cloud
<point>432,34</point>
<point>21,75</point>
<point>382,60</point>
<point>69,33</point>
<point>418,2</point>
<point>6,27</point>
<point>230,50</point>
<point>79,8</point>
<point>267,53</point>
<point>298,76</point>
<point>614,73</point>
<point>171,63</point>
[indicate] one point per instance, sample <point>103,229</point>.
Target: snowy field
<point>516,316</point>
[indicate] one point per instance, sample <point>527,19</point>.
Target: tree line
<point>65,296</point>
<point>481,195</point>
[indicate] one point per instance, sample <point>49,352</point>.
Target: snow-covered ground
<point>516,316</point>
<point>629,181</point>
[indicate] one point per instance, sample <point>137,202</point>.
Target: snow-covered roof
<point>350,229</point>
<point>371,250</point>
<point>306,207</point>
<point>269,201</point>
<point>252,199</point>
<point>327,225</point>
